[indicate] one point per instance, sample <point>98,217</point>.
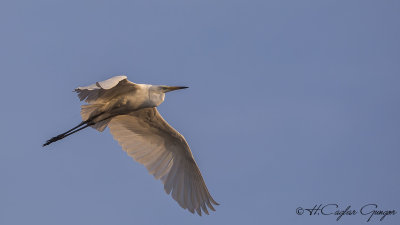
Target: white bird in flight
<point>129,110</point>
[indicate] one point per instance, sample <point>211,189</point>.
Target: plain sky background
<point>291,104</point>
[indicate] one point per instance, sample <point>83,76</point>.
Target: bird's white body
<point>128,97</point>
<point>129,110</point>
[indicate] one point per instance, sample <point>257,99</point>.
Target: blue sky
<point>291,104</point>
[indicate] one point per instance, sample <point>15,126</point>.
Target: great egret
<point>129,110</point>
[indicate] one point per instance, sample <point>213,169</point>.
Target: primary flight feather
<point>129,110</point>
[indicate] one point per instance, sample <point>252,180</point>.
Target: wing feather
<point>164,167</point>
<point>103,91</point>
<point>150,140</point>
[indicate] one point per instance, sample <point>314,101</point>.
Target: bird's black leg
<point>61,136</point>
<point>88,122</point>
<point>83,122</point>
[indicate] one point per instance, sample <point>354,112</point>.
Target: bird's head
<point>157,92</point>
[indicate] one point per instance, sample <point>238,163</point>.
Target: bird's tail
<point>88,111</point>
<point>92,112</point>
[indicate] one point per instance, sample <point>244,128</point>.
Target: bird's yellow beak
<point>173,88</point>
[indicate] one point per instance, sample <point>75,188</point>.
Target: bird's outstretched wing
<point>103,91</point>
<point>151,141</point>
